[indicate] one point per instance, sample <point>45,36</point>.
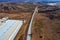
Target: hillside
<point>46,24</point>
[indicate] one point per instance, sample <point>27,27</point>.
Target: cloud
<point>29,0</point>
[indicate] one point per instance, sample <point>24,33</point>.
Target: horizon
<point>46,1</point>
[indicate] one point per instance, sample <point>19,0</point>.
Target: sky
<point>29,0</point>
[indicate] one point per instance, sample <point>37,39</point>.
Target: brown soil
<point>45,28</point>
<point>19,16</point>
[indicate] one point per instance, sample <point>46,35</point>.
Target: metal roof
<point>9,29</point>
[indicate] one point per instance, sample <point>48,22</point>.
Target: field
<point>46,24</point>
<point>19,16</point>
<point>45,29</point>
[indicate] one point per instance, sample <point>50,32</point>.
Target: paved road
<point>30,25</point>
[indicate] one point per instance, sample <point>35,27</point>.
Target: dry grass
<point>45,28</point>
<point>19,16</point>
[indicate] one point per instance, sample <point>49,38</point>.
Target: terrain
<point>46,24</point>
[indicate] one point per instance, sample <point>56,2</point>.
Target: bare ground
<point>45,29</point>
<point>19,16</point>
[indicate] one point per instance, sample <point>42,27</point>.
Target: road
<point>10,31</point>
<point>30,25</point>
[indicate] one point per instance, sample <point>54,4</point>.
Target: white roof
<point>9,29</point>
